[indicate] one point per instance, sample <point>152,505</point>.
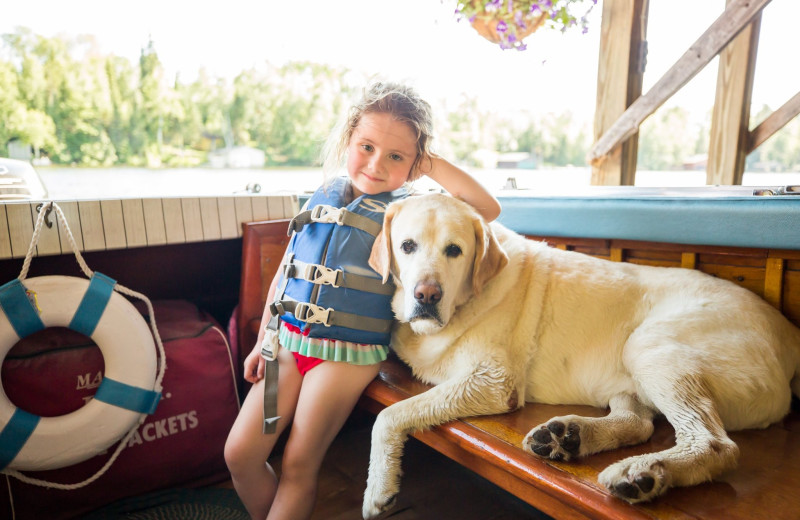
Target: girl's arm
<point>462,185</point>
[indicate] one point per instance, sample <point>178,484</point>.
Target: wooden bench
<point>763,486</point>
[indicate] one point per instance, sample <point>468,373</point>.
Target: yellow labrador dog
<point>494,320</point>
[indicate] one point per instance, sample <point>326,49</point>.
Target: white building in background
<point>19,150</point>
<point>237,157</point>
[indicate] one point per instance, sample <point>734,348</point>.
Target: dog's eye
<point>452,251</point>
<point>408,246</point>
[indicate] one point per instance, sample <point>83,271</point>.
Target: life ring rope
<point>25,320</point>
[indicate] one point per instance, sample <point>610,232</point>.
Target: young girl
<point>324,368</point>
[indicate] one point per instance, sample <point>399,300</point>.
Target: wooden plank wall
<point>99,225</point>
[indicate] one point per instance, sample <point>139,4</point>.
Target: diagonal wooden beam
<point>736,16</point>
<point>774,122</point>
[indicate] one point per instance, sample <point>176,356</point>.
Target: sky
<point>415,41</point>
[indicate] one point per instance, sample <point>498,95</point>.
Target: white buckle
<point>270,340</point>
<point>310,313</point>
<point>268,355</point>
<point>319,274</point>
<point>328,214</point>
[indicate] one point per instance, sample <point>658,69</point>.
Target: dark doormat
<point>176,504</point>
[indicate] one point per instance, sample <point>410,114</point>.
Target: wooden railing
<point>99,225</point>
<point>621,107</point>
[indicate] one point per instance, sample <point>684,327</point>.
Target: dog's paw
<point>375,505</point>
<point>556,440</point>
<point>635,479</point>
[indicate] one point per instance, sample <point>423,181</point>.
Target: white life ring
<point>129,355</point>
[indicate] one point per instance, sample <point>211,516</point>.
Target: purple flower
<point>502,26</point>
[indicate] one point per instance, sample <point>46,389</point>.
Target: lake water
<point>96,183</point>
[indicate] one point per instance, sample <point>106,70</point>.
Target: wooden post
<point>773,282</point>
<point>619,83</point>
<point>689,260</point>
<point>730,122</point>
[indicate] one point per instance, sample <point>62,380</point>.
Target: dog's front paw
<point>383,480</point>
<point>556,440</point>
<point>635,479</point>
<point>376,502</point>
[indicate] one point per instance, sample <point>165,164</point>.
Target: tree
<point>76,105</point>
<point>9,104</point>
<point>35,128</point>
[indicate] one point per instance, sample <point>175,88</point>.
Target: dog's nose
<point>428,292</point>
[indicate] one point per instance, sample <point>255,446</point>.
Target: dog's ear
<point>490,258</point>
<point>380,258</point>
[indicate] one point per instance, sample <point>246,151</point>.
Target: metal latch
<point>783,190</point>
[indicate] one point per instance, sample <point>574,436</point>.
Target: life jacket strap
<point>325,214</point>
<point>310,313</point>
<point>269,351</point>
<point>322,275</point>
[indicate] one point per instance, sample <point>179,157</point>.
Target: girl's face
<point>380,154</point>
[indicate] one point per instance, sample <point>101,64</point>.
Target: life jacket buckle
<point>310,313</point>
<point>319,274</point>
<point>269,350</point>
<point>325,214</point>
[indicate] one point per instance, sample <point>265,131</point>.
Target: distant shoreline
<point>125,182</point>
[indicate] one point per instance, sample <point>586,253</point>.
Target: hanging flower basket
<point>508,22</point>
<point>500,32</point>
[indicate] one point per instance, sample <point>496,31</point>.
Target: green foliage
<point>75,105</point>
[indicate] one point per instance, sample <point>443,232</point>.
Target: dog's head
<point>440,253</point>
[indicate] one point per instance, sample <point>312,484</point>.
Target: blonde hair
<point>405,106</point>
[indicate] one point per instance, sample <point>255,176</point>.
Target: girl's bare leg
<point>328,395</point>
<point>247,449</point>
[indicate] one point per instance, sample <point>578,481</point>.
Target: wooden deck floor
<point>433,486</point>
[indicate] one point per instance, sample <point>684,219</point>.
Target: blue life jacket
<point>327,287</point>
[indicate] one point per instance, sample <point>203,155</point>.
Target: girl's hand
<point>461,185</point>
<point>254,365</point>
